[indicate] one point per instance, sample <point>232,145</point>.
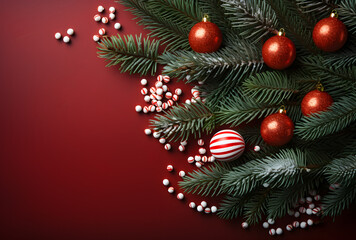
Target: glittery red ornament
<point>278,52</point>
<point>205,37</point>
<point>330,34</point>
<point>277,129</point>
<point>316,101</point>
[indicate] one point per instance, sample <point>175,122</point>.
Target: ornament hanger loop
<point>282,109</point>
<point>206,18</point>
<point>320,87</point>
<point>334,14</point>
<point>281,32</point>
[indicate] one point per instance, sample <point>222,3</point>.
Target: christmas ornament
<point>277,129</point>
<point>278,52</point>
<point>316,101</point>
<point>205,36</point>
<point>330,34</point>
<point>227,145</point>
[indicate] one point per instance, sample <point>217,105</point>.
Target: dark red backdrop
<point>75,163</point>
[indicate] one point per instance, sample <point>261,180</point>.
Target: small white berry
<point>169,168</point>
<point>279,231</point>
<point>148,131</point>
<point>214,209</point>
<point>96,38</point>
<point>295,224</point>
<point>309,211</point>
<point>112,16</point>
<point>181,173</point>
<point>303,225</point>
<point>198,164</point>
<point>165,182</point>
<point>310,222</point>
<point>66,39</point>
<point>296,214</point>
<point>162,140</point>
<point>244,225</point>
<point>138,108</point>
<point>257,148</point>
<point>180,196</point>
<point>70,31</point>
<point>184,143</point>
<point>117,26</point>
<point>156,134</point>
<point>143,82</point>
<point>204,203</point>
<point>197,158</point>
<point>171,189</point>
<point>147,98</point>
<point>272,232</point>
<point>309,200</point>
<point>190,159</point>
<point>200,208</point>
<point>201,142</point>
<point>167,146</point>
<point>207,210</point>
<point>289,227</point>
<point>101,8</point>
<point>192,205</point>
<point>105,20</point>
<point>265,225</point>
<point>181,148</point>
<point>58,35</point>
<point>112,9</point>
<point>202,151</point>
<point>97,18</point>
<point>270,221</point>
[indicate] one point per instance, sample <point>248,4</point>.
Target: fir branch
<point>342,170</point>
<point>339,116</point>
<point>347,14</point>
<point>345,57</point>
<point>233,206</point>
<point>339,199</point>
<point>216,13</point>
<point>253,19</point>
<point>283,169</point>
<point>240,108</point>
<point>318,8</point>
<point>133,54</point>
<point>168,20</point>
<point>270,87</point>
<point>235,62</point>
<point>256,206</point>
<point>182,121</point>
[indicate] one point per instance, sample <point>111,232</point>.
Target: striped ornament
<point>227,145</point>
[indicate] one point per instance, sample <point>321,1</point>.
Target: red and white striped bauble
<point>227,145</point>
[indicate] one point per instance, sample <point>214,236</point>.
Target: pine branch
<point>133,54</point>
<point>169,20</point>
<point>339,116</point>
<point>235,62</point>
<point>270,87</point>
<point>342,171</point>
<point>347,14</point>
<point>345,57</point>
<point>233,206</point>
<point>253,19</point>
<point>182,121</point>
<point>338,200</point>
<point>283,169</point>
<point>256,206</point>
<point>239,109</point>
<point>318,8</point>
<point>217,14</point>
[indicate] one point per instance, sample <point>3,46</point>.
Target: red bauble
<point>205,37</point>
<point>330,34</point>
<point>277,129</point>
<point>278,52</point>
<point>316,101</point>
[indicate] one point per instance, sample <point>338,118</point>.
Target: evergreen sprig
<point>342,171</point>
<point>132,54</point>
<point>339,199</point>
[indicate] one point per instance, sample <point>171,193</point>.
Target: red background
<point>75,163</point>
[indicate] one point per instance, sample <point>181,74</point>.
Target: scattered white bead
<point>151,108</point>
<point>272,232</point>
<point>165,88</point>
<point>181,173</point>
<point>265,225</point>
<point>101,9</point>
<point>290,212</point>
<point>112,16</point>
<point>156,134</point>
<point>165,182</point>
<point>178,91</point>
<point>138,108</point>
<point>309,200</point>
<point>187,77</point>
<point>201,142</point>
<point>289,227</point>
<point>112,9</point>
<point>302,209</point>
<point>57,35</point>
<point>207,210</point>
<point>167,146</point>
<point>184,143</point>
<point>158,84</point>
<point>197,158</point>
<point>144,91</point>
<point>317,197</point>
<point>97,18</point>
<point>162,140</point>
<point>211,159</point>
<point>310,222</point>
<point>202,151</point>
<point>204,159</point>
<point>175,97</point>
<point>159,91</point>
<point>266,185</point>
<point>171,189</point>
<point>257,148</point>
<point>198,164</point>
<point>296,214</point>
<point>188,101</point>
<point>168,95</point>
<point>214,209</point>
<point>192,205</point>
<point>295,224</point>
<point>279,231</point>
<point>312,205</point>
<point>165,105</point>
<point>200,208</point>
<point>105,20</point>
<point>145,109</point>
<point>147,98</point>
<point>158,109</point>
<point>180,196</point>
<point>271,221</point>
<point>181,148</point>
<point>96,38</point>
<point>316,210</point>
<point>102,31</point>
<point>148,131</point>
<point>117,26</point>
<point>303,225</point>
<point>169,168</point>
<point>244,225</point>
<point>70,31</point>
<point>66,39</point>
<point>193,100</point>
<point>143,81</point>
<point>204,203</point>
<point>166,78</point>
<point>190,159</point>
